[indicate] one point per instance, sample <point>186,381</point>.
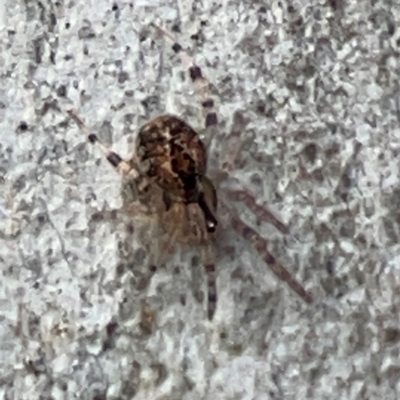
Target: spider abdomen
<point>171,153</point>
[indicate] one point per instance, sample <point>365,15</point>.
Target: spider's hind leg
<point>123,167</point>
<point>201,83</point>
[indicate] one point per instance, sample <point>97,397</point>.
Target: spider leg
<point>201,83</point>
<point>209,267</point>
<point>261,245</point>
<point>113,158</point>
<point>230,156</point>
<point>262,213</point>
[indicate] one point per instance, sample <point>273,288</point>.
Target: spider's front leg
<point>262,213</point>
<point>229,159</point>
<point>261,246</point>
<point>209,266</point>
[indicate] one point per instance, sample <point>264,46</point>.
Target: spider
<point>169,176</point>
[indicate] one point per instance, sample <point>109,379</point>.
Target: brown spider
<point>168,175</point>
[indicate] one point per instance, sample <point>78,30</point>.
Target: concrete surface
<point>317,83</point>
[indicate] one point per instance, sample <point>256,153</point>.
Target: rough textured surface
<point>317,83</point>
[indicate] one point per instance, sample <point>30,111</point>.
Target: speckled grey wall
<point>84,316</point>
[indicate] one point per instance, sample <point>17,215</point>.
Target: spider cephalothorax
<point>168,176</point>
